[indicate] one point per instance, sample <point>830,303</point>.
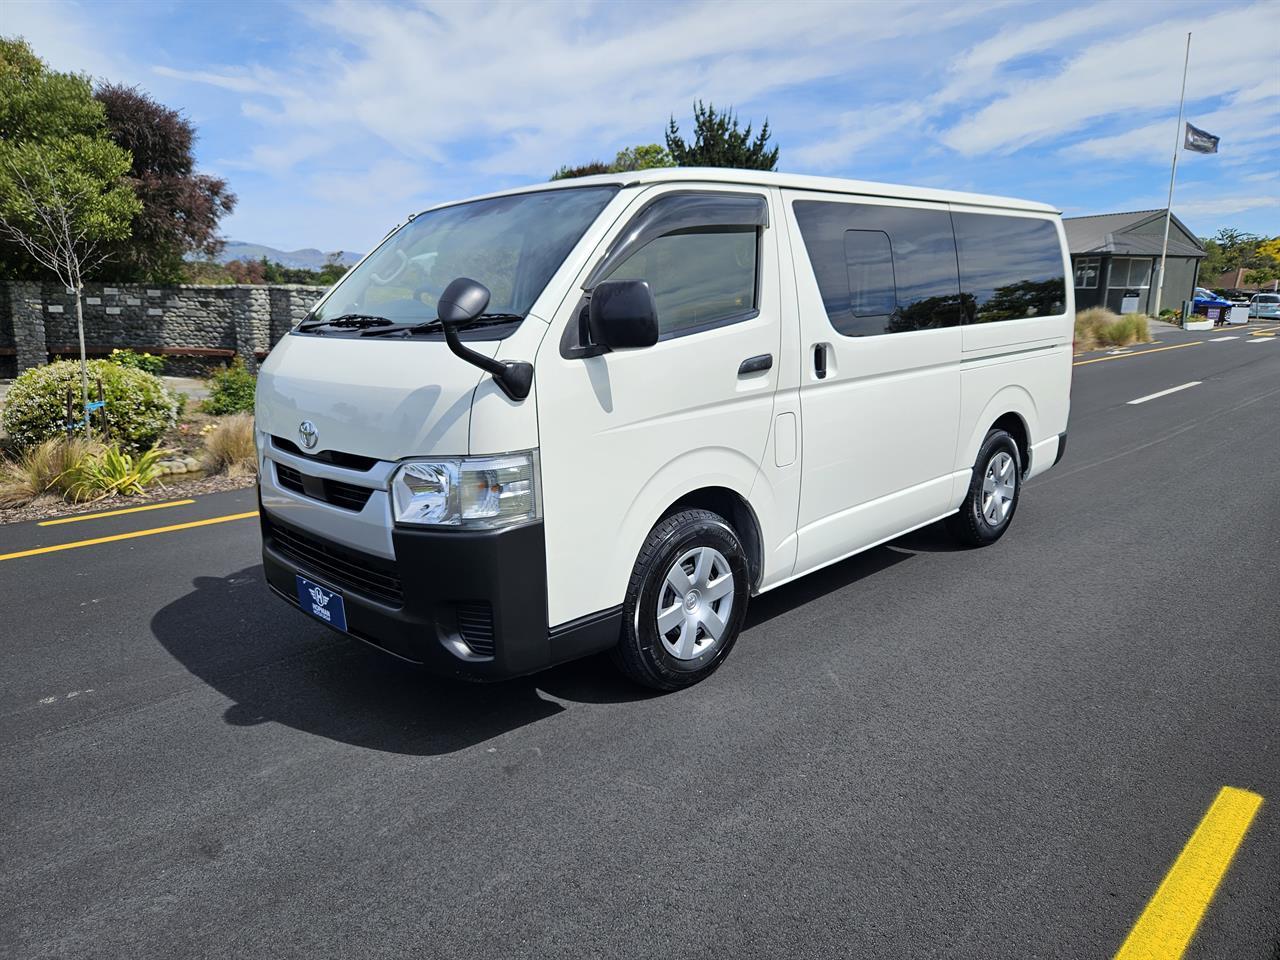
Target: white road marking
<point>1261,339</point>
<point>1220,339</point>
<point>1164,393</point>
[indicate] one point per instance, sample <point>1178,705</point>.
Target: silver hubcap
<point>695,602</point>
<point>998,486</point>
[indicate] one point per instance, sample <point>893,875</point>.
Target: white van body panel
<point>627,434</point>
<point>880,428</point>
<point>775,497</point>
<point>823,467</point>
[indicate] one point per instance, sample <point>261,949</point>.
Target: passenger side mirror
<point>622,315</point>
<point>463,300</point>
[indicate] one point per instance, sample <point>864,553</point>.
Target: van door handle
<point>820,361</point>
<point>756,364</point>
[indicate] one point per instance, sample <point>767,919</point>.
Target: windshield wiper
<point>483,320</point>
<point>358,321</point>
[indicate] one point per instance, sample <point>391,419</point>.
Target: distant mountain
<point>307,259</point>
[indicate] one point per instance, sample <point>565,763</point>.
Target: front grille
<point>352,461</point>
<point>345,495</point>
<point>475,624</point>
<point>343,567</point>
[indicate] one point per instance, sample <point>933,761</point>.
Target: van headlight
<point>467,491</point>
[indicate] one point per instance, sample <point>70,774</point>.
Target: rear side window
<point>881,269</point>
<point>1010,267</point>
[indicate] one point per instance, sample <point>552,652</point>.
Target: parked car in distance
<point>1265,305</point>
<point>1238,298</point>
<point>1206,303</point>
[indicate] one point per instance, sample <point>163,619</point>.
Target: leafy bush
<point>1098,327</point>
<point>43,469</point>
<point>113,471</point>
<point>139,408</point>
<point>146,362</point>
<point>231,390</point>
<point>229,446</point>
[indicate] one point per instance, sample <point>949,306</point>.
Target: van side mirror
<point>463,300</point>
<point>623,315</point>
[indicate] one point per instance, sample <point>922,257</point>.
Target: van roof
<point>787,181</point>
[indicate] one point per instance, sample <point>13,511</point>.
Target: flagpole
<point>1173,173</point>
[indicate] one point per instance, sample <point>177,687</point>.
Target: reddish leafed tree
<point>180,207</point>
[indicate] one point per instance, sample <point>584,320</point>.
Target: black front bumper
<point>463,603</point>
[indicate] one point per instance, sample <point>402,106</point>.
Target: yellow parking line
<point>1137,353</point>
<point>126,536</point>
<point>1167,925</point>
<point>112,513</point>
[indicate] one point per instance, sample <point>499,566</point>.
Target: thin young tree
<point>63,204</point>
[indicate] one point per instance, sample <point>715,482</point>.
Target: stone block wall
<point>185,323</point>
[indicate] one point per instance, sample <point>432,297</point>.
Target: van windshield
<point>511,244</point>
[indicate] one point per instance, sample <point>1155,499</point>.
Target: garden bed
<point>178,487</point>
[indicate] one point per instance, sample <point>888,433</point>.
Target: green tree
<point>642,157</point>
<point>63,198</point>
<point>38,104</point>
<point>180,206</point>
<point>719,142</point>
<point>582,170</point>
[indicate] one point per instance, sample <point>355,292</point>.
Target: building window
<point>1132,274</point>
<point>1087,273</point>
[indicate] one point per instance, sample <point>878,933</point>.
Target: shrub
<point>231,390</point>
<point>139,408</point>
<point>113,471</point>
<point>1098,326</point>
<point>146,362</point>
<point>229,448</point>
<point>43,469</point>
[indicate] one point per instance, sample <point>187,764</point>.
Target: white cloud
<point>1133,74</point>
<point>544,83</point>
<point>1225,205</point>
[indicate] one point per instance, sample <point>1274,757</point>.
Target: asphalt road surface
<point>920,752</point>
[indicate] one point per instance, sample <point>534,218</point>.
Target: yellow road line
<point>112,513</point>
<point>1137,353</point>
<point>1170,920</point>
<point>126,536</point>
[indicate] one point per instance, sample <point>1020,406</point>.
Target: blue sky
<point>333,119</point>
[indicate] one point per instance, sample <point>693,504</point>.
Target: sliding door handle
<point>755,364</point>
<point>820,361</point>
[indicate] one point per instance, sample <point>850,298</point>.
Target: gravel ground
<point>176,487</point>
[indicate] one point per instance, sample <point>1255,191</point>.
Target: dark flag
<point>1198,141</point>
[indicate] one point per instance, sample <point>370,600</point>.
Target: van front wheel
<point>685,602</point>
<point>993,493</point>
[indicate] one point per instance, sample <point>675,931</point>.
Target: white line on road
<point>1220,339</point>
<point>1261,339</point>
<point>1164,393</point>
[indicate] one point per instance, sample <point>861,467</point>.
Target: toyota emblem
<point>307,432</point>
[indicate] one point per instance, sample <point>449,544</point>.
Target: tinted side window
<point>699,278</point>
<point>881,269</point>
<point>1010,267</point>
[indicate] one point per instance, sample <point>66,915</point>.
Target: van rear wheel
<point>993,493</point>
<point>685,602</point>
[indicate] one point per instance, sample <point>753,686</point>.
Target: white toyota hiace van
<point>602,414</point>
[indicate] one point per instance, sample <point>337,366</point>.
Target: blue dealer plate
<point>322,603</point>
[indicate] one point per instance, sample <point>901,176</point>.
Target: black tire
<point>641,653</point>
<point>969,526</point>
